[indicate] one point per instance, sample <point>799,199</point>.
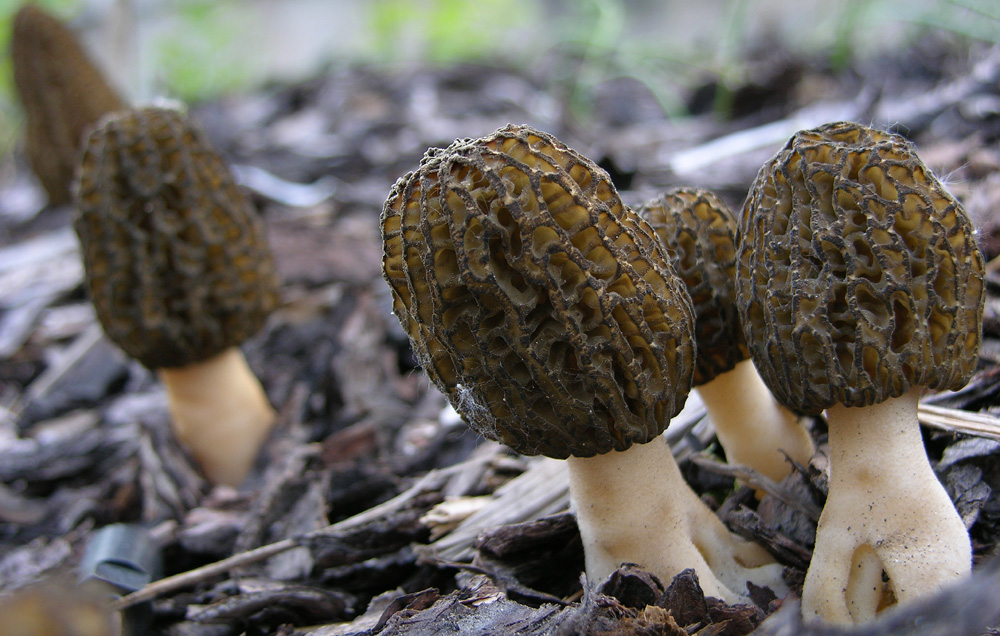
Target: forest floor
<point>373,508</point>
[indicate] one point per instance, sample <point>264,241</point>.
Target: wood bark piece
<point>432,481</point>
<point>917,110</point>
<point>34,275</point>
<point>483,610</point>
<point>540,491</point>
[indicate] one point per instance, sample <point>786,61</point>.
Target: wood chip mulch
<point>373,509</point>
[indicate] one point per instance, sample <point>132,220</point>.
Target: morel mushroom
<point>699,232</point>
<point>63,95</point>
<point>548,314</point>
<point>860,283</point>
<point>180,275</point>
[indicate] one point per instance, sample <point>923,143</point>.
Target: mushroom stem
<point>753,428</point>
<point>220,413</point>
<point>884,499</point>
<point>623,499</point>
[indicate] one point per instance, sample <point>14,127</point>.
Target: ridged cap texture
<point>859,276</point>
<point>698,231</point>
<point>63,95</point>
<point>176,259</point>
<point>536,301</point>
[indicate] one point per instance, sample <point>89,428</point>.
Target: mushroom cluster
<point>551,316</point>
<point>552,319</point>
<point>560,322</point>
<point>180,274</point>
<point>859,284</point>
<point>698,231</point>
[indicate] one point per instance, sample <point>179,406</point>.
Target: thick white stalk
<point>885,501</point>
<point>635,507</point>
<point>752,426</point>
<point>220,414</point>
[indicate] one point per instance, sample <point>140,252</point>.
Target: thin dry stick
<point>198,575</point>
<point>429,482</point>
<point>959,421</point>
<point>760,482</point>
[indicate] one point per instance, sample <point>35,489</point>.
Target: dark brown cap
<point>698,231</point>
<point>542,306</point>
<point>176,258</point>
<point>63,95</point>
<point>858,272</point>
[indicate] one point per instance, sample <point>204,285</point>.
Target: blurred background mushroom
<point>698,230</point>
<point>548,314</point>
<point>180,274</point>
<point>859,284</point>
<point>58,607</point>
<point>63,94</point>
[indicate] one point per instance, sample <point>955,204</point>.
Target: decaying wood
<point>694,163</point>
<point>760,482</point>
<point>540,491</point>
<point>431,482</point>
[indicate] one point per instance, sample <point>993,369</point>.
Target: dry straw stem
<point>959,421</point>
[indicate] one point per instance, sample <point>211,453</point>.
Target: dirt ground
<point>373,509</point>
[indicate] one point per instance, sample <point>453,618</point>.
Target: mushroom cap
<point>176,259</point>
<point>858,272</point>
<point>536,301</point>
<point>698,231</point>
<point>63,95</point>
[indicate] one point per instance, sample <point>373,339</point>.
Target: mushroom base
<point>886,510</point>
<point>635,507</point>
<point>220,414</point>
<point>753,428</point>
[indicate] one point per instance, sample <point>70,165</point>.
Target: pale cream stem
<point>752,426</point>
<point>883,496</point>
<point>635,507</point>
<point>220,414</point>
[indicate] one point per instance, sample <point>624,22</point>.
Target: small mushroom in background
<point>63,95</point>
<point>180,274</point>
<point>551,318</point>
<point>698,231</point>
<point>57,607</point>
<point>859,284</point>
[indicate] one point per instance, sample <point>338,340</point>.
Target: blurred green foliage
<point>838,34</point>
<point>205,48</point>
<point>595,42</point>
<point>974,19</point>
<point>443,31</point>
<point>211,58</point>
